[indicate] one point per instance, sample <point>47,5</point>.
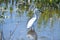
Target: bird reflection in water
<point>31,34</point>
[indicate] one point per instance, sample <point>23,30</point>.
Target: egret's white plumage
<point>31,21</point>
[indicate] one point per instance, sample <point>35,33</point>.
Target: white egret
<point>31,33</point>
<point>33,19</point>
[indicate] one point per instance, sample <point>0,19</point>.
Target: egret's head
<point>37,12</point>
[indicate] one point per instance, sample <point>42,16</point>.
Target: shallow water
<point>15,27</point>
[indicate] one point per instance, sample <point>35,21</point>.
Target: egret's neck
<point>36,12</point>
<point>35,15</point>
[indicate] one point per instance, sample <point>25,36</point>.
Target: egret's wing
<point>31,21</point>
